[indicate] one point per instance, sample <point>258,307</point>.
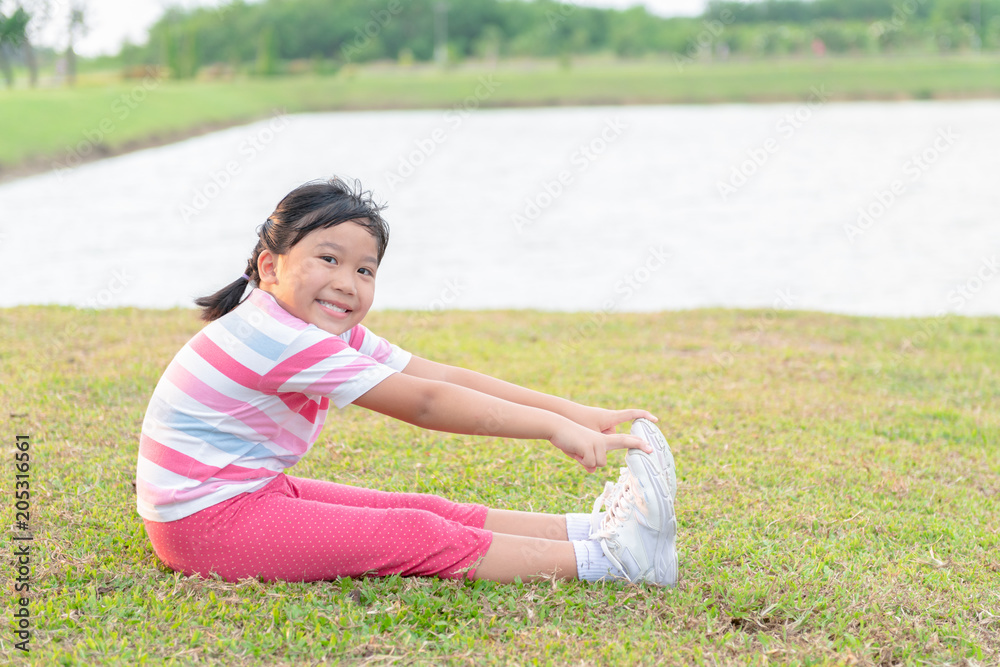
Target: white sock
<point>577,527</point>
<point>592,564</point>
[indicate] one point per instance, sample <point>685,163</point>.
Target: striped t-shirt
<point>243,400</point>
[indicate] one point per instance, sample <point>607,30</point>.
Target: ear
<point>267,267</point>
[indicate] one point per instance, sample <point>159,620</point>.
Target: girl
<point>248,395</point>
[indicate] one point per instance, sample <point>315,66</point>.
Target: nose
<point>343,281</point>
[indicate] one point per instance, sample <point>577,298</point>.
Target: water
<point>864,208</point>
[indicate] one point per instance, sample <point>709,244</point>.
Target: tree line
<point>266,36</point>
<point>799,11</point>
<point>277,36</point>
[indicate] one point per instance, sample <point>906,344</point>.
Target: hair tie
<point>245,277</point>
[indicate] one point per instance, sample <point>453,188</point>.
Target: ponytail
<point>216,305</point>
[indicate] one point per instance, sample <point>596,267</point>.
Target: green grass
<point>837,502</point>
<point>44,127</point>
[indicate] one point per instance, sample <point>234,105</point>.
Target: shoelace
<point>618,498</point>
<point>606,499</point>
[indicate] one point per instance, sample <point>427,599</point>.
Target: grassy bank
<point>838,496</point>
<point>46,128</point>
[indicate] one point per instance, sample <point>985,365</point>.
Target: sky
<point>111,22</point>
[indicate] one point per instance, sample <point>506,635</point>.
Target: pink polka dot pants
<point>297,529</point>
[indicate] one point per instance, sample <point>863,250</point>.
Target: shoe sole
<point>659,466</point>
<point>662,458</point>
<point>664,573</point>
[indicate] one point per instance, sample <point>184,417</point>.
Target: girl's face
<point>327,278</point>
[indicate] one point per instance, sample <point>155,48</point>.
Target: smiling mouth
<point>333,307</point>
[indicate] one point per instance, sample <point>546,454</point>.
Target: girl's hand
<point>606,421</point>
<point>590,448</point>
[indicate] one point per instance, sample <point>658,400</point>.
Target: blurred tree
<point>41,12</point>
<point>13,38</point>
<point>632,32</point>
<point>77,28</point>
<point>267,61</point>
<point>180,49</point>
<point>171,51</point>
<point>489,43</point>
<point>187,58</point>
<point>976,14</point>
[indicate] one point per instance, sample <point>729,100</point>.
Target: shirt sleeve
<point>325,365</point>
<point>363,340</point>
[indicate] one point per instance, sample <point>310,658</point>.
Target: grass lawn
<point>838,496</point>
<point>47,128</point>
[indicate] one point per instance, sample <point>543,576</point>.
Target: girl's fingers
<point>624,441</point>
<point>644,414</point>
<point>622,416</point>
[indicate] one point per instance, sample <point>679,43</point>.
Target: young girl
<point>249,394</point>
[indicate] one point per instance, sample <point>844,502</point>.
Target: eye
<point>366,271</point>
<point>329,259</point>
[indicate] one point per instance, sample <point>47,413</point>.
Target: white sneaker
<point>638,531</point>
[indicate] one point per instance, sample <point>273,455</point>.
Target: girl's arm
<point>597,419</point>
<point>443,406</point>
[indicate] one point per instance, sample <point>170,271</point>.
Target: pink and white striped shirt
<point>243,400</point>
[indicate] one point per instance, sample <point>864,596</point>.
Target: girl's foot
<point>639,529</point>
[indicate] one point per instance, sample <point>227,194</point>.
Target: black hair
<point>313,205</point>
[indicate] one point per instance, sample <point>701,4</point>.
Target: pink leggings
<point>307,530</point>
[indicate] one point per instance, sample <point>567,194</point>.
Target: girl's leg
<point>292,530</point>
<point>530,558</point>
<point>467,514</point>
<point>274,533</point>
<point>529,545</point>
<point>528,524</point>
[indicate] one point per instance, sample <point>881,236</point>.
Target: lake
<point>862,208</point>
